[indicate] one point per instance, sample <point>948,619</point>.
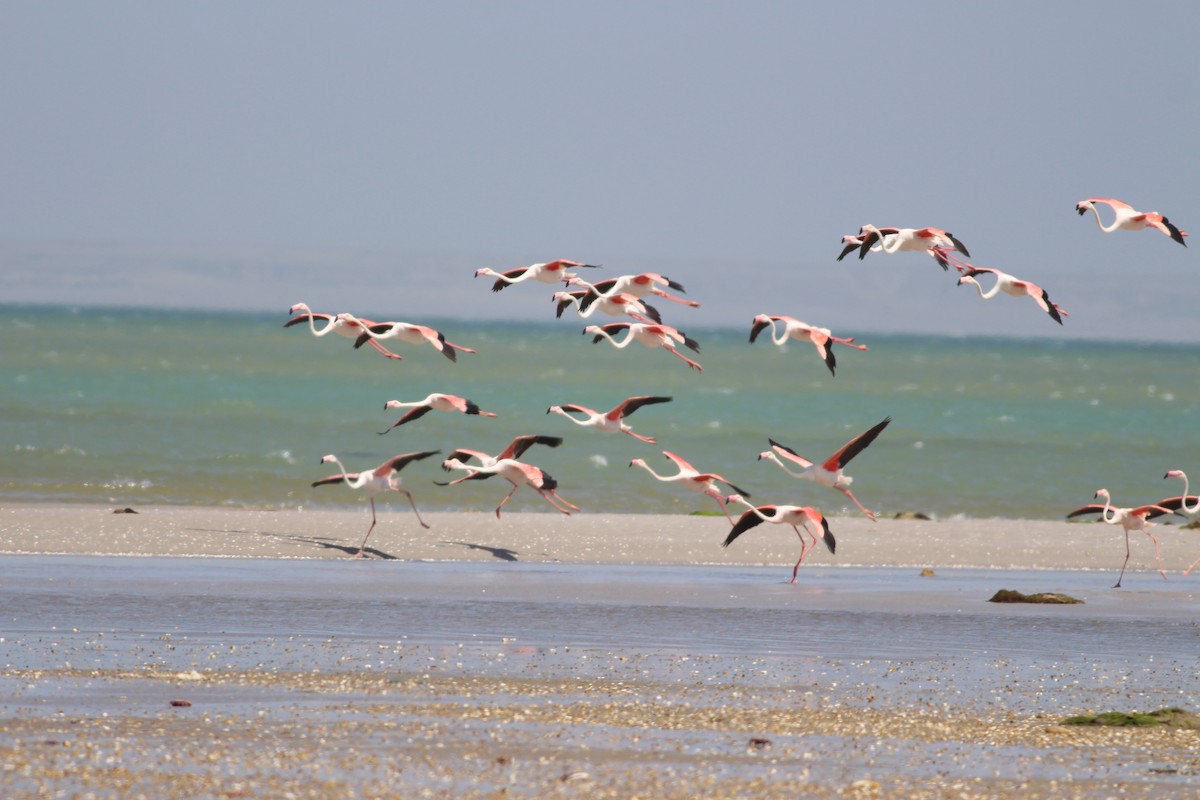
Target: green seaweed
<point>1163,717</point>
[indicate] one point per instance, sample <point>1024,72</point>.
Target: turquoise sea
<point>133,407</point>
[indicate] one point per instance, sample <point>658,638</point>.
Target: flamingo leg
<point>505,500</point>
<point>678,354</point>
<point>646,439</point>
<point>1122,575</point>
<point>1156,555</point>
<point>362,547</point>
<point>870,514</point>
<point>547,494</point>
<point>383,351</point>
<point>721,505</point>
<point>408,494</point>
<point>1193,566</point>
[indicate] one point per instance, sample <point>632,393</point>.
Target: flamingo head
<point>554,409</point>
<point>1175,473</point>
<point>484,271</point>
<point>328,458</point>
<point>766,454</point>
<point>298,307</point>
<point>735,498</point>
<point>591,329</point>
<point>637,462</point>
<point>967,279</point>
<point>1102,493</point>
<point>1082,206</point>
<point>391,404</point>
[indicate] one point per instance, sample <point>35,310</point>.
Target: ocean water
<point>134,407</point>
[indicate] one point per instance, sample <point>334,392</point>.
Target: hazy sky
<point>369,156</point>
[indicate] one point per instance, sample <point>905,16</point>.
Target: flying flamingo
<point>384,478</point>
<point>1014,287</point>
<point>822,338</point>
<point>783,515</point>
<point>934,241</point>
<point>516,473</point>
<point>1129,219</point>
<point>515,449</point>
<point>407,332</point>
<point>691,478</point>
<point>641,285</point>
<point>611,421</point>
<point>663,336</point>
<point>346,325</point>
<point>1130,519</point>
<point>1180,505</point>
<point>854,241</point>
<point>616,305</point>
<point>829,472</point>
<point>434,402</point>
<point>547,272</point>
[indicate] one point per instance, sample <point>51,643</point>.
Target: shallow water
<point>893,630</point>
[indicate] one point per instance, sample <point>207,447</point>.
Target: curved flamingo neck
<point>353,484</point>
<point>1104,517</point>
<point>1107,229</point>
<point>784,466</point>
<point>648,468</point>
<point>990,293</point>
<point>1183,502</point>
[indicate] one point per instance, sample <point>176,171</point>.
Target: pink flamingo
<point>795,516</point>
<point>407,332</point>
<point>611,421</point>
<point>515,449</point>
<point>651,336</point>
<point>934,241</point>
<point>822,338</point>
<point>384,478</point>
<point>1014,287</point>
<point>516,473</point>
<point>1185,505</point>
<point>434,402</point>
<point>1130,519</point>
<point>691,478</point>
<point>1127,218</point>
<point>346,325</point>
<point>641,285</point>
<point>616,305</point>
<point>830,471</point>
<point>547,272</point>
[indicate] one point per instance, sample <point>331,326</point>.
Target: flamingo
<point>1130,519</point>
<point>829,472</point>
<point>934,241</point>
<point>1128,218</point>
<point>515,449</point>
<point>547,272</point>
<point>822,338</point>
<point>616,305</point>
<point>384,478</point>
<point>517,473</point>
<point>641,285</point>
<point>1014,287</point>
<point>408,332</point>
<point>612,421</point>
<point>691,478</point>
<point>783,515</point>
<point>434,402</point>
<point>663,336</point>
<point>1180,506</point>
<point>346,325</point>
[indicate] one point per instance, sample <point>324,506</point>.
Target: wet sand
<point>595,656</point>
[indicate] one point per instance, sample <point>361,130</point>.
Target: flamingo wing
<point>745,522</point>
<point>855,446</point>
<point>302,318</point>
<point>712,476</point>
<point>790,454</point>
<point>1150,511</point>
<point>633,404</point>
<point>331,479</point>
<point>1090,508</point>
<point>462,453</point>
<point>397,463</point>
<point>522,443</point>
<point>679,462</point>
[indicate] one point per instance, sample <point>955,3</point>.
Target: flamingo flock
<point>624,296</point>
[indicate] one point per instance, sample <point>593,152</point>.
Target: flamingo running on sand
<point>829,472</point>
<point>1014,287</point>
<point>783,515</point>
<point>515,449</point>
<point>612,421</point>
<point>691,478</point>
<point>384,478</point>
<point>822,338</point>
<point>652,336</point>
<point>346,325</point>
<point>434,402</point>
<point>1129,219</point>
<point>1130,519</point>
<point>622,304</point>
<point>516,473</point>
<point>1180,505</point>
<point>547,272</point>
<point>407,332</point>
<point>641,285</point>
<point>934,241</point>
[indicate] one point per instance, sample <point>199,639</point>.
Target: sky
<point>369,157</point>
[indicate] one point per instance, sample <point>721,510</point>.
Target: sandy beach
<point>242,653</point>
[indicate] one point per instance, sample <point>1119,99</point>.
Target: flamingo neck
<point>784,466</point>
<point>990,293</point>
<point>1183,503</point>
<point>1106,228</point>
<point>1104,517</point>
